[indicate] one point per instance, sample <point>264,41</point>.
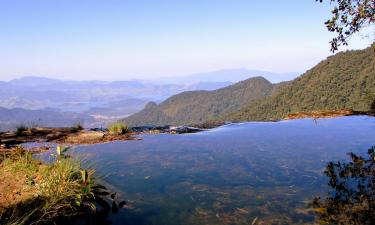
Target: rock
<point>99,129</point>
<point>184,129</point>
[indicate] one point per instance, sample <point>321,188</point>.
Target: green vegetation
<point>351,197</point>
<point>48,194</point>
<point>118,128</point>
<point>348,18</point>
<point>195,107</point>
<point>343,81</point>
<point>77,127</point>
<point>20,130</point>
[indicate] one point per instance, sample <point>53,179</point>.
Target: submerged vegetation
<point>351,199</point>
<point>37,193</point>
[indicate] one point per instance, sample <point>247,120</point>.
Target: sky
<point>120,40</point>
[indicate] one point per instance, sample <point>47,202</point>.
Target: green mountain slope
<point>343,81</point>
<point>195,107</point>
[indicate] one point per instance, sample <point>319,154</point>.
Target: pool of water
<point>233,174</point>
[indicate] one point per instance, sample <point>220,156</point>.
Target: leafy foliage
<point>349,17</point>
<point>351,199</point>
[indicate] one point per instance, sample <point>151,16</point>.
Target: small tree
<point>351,199</point>
<point>349,17</point>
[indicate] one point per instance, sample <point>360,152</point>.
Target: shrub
<point>118,128</point>
<point>20,130</point>
<point>77,127</point>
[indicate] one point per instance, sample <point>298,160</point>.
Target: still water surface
<point>231,174</point>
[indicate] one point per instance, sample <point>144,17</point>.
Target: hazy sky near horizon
<point>119,40</point>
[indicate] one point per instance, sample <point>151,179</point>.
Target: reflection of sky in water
<point>231,174</point>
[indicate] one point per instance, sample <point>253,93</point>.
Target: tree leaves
<point>349,17</point>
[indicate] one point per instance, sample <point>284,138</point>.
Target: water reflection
<point>235,174</point>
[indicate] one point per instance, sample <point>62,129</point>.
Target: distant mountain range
<point>104,100</point>
<point>12,118</point>
<point>343,81</point>
<point>230,75</point>
<point>100,102</point>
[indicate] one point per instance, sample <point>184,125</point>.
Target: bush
<point>77,127</point>
<point>20,130</point>
<point>118,128</point>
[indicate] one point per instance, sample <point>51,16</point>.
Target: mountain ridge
<point>12,118</point>
<point>233,75</point>
<point>343,81</point>
<point>200,106</point>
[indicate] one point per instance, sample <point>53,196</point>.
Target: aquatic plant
<point>96,193</point>
<point>60,152</point>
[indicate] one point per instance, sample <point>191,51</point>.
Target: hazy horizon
<point>182,77</point>
<point>125,40</point>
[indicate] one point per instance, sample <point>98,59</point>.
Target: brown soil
<point>94,137</point>
<point>14,187</point>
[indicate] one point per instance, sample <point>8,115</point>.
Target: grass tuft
<point>47,192</point>
<point>118,128</point>
<point>77,127</point>
<point>20,130</point>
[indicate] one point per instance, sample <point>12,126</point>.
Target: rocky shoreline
<point>79,136</point>
<point>67,136</point>
<point>317,114</point>
<point>166,129</point>
<point>74,136</point>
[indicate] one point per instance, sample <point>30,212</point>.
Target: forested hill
<point>194,107</point>
<point>343,81</point>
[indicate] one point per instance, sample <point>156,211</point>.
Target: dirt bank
<point>325,114</point>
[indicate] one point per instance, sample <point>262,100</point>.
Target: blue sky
<point>118,40</point>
